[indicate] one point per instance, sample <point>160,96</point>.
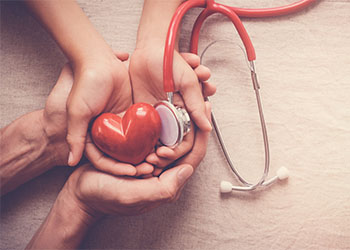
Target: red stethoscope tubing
<point>211,7</point>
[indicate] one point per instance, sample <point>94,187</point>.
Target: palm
<point>114,96</point>
<point>146,77</point>
<point>108,194</point>
<point>119,99</point>
<point>55,112</point>
<point>146,72</point>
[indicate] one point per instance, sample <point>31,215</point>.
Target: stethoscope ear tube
<point>168,81</point>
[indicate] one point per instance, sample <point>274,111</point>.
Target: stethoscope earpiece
<point>175,121</point>
<point>281,174</point>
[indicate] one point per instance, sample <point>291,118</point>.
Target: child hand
<point>100,84</point>
<point>55,126</point>
<point>147,81</point>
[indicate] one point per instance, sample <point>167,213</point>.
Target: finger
<point>200,144</point>
<point>173,180</point>
<point>151,191</point>
<point>164,188</point>
<point>146,176</point>
<point>203,73</point>
<point>165,155</point>
<point>187,83</point>
<point>195,104</point>
<point>166,152</point>
<point>152,158</point>
<point>77,128</point>
<point>106,164</point>
<point>157,161</point>
<point>144,169</point>
<point>208,89</point>
<point>208,110</point>
<point>66,76</point>
<point>62,87</point>
<point>192,59</point>
<point>122,56</point>
<point>157,171</point>
<point>175,153</point>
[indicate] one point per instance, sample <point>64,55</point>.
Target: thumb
<point>174,179</point>
<point>183,175</point>
<point>187,84</point>
<point>78,121</point>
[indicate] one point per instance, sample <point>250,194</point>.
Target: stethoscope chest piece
<point>175,121</point>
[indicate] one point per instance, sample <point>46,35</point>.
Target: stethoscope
<point>176,121</point>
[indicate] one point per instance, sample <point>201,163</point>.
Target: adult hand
<point>35,142</point>
<point>89,194</point>
<point>101,193</point>
<point>54,118</point>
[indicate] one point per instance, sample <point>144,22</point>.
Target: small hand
<point>101,84</point>
<point>55,125</point>
<point>146,73</point>
<point>147,81</point>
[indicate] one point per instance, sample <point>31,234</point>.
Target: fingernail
<point>70,159</point>
<point>184,174</point>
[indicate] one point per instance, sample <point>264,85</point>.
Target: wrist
<point>67,204</point>
<point>95,54</point>
<point>70,27</point>
<point>25,151</point>
<point>56,149</point>
<point>65,226</point>
<point>155,20</point>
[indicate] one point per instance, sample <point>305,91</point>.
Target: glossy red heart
<point>131,138</point>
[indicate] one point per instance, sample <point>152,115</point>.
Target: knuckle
<point>188,81</point>
<point>184,147</point>
<point>197,157</point>
<point>74,109</point>
<point>195,112</point>
<point>92,74</point>
<point>114,73</point>
<point>79,110</point>
<point>200,153</point>
<point>75,139</point>
<point>170,194</point>
<point>97,162</point>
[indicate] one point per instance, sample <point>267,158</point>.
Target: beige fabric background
<point>303,64</point>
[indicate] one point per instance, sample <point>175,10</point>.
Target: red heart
<point>131,138</point>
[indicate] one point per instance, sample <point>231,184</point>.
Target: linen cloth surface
<point>303,66</point>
